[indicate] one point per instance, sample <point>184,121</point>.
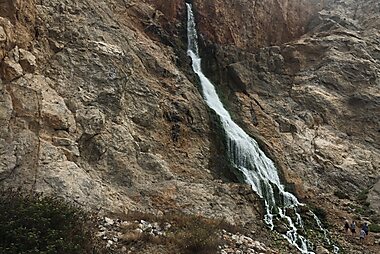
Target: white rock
<point>109,222</point>
<point>138,230</point>
<point>100,234</point>
<point>109,243</point>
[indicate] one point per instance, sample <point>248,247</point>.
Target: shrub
<point>375,228</point>
<point>187,234</point>
<point>196,235</point>
<point>341,195</point>
<point>320,213</point>
<point>32,223</point>
<point>362,196</point>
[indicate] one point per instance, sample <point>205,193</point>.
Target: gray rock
<point>91,119</point>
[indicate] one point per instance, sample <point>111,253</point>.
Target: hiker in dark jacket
<point>346,226</point>
<point>353,228</point>
<point>365,228</point>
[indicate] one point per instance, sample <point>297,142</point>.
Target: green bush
<point>341,195</point>
<point>362,196</point>
<point>375,228</point>
<point>320,213</point>
<point>32,223</point>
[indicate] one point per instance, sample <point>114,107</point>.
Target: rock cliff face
<point>252,24</point>
<point>314,104</point>
<point>96,111</point>
<point>98,103</point>
<point>315,99</point>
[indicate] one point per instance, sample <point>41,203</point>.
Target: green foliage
<point>362,197</point>
<point>375,228</point>
<point>341,195</point>
<point>320,212</point>
<point>32,223</point>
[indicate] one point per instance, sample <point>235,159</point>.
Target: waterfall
<point>245,155</point>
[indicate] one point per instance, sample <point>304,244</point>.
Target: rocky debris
<point>117,234</point>
<point>241,244</point>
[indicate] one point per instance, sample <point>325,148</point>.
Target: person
<point>362,235</point>
<point>353,228</point>
<point>365,228</point>
<point>346,226</point>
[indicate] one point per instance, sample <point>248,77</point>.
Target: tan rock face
<point>252,24</point>
<point>96,107</point>
<point>244,24</point>
<point>102,114</point>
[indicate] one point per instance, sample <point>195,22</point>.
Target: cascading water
<point>257,169</point>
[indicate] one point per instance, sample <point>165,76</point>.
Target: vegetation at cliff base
<point>33,223</point>
<point>188,234</point>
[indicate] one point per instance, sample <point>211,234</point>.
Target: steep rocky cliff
<point>98,103</point>
<point>95,110</point>
<point>314,104</point>
<point>315,99</point>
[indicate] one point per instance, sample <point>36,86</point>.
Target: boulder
<point>10,70</point>
<point>27,61</point>
<point>321,250</point>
